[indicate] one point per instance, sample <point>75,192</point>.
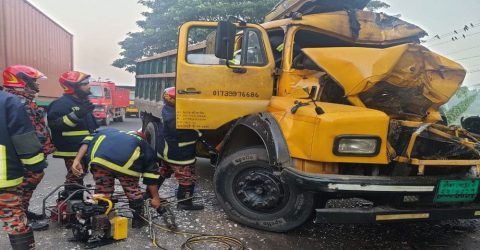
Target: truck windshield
<point>96,92</point>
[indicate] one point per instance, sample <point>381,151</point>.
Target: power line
<point>476,65</point>
<point>458,51</point>
<point>451,41</point>
<point>458,31</point>
<point>466,58</point>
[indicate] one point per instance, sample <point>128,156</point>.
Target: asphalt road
<point>456,234</point>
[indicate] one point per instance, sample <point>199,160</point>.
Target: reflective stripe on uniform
<point>96,145</point>
<point>88,138</point>
<point>3,164</point>
<point>34,160</point>
<point>121,169</point>
<point>4,181</point>
<point>69,122</point>
<point>76,133</point>
<point>65,154</point>
<point>11,183</point>
<point>151,176</point>
<point>199,133</point>
<point>165,157</point>
<point>280,47</point>
<point>184,144</point>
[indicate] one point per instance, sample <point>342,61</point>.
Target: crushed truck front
<point>380,136</point>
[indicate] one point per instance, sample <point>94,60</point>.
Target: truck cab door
<point>209,93</point>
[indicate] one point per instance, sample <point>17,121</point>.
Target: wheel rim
<point>259,190</point>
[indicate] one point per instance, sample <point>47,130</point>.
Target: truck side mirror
<point>225,40</point>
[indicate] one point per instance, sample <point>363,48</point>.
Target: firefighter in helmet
<point>176,150</point>
<point>21,80</point>
<point>113,154</point>
<point>70,119</point>
<point>20,151</point>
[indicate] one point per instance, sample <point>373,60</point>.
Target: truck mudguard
<point>265,127</point>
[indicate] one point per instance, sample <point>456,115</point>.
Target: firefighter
<point>20,150</point>
<point>112,154</point>
<point>176,149</point>
<point>70,120</point>
<point>21,80</point>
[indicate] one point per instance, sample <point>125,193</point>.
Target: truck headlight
<point>356,145</point>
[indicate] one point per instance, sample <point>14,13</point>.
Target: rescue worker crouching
<point>21,80</point>
<point>70,119</point>
<point>112,154</point>
<point>20,150</point>
<point>176,150</point>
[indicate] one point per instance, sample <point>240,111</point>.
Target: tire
<point>151,133</point>
<point>122,117</point>
<point>252,195</point>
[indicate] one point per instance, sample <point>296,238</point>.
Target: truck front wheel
<point>250,193</point>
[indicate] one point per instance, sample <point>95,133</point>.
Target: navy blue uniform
<point>176,146</point>
<point>122,152</point>
<point>68,131</point>
<point>20,149</point>
<point>177,150</point>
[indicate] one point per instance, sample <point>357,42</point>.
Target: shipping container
<point>30,37</point>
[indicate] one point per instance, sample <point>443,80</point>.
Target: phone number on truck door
<point>230,93</point>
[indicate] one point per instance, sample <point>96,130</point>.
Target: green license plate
<point>457,190</point>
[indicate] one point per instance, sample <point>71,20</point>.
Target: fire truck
<point>110,102</point>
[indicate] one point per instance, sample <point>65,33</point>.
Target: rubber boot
<point>137,207</point>
<point>34,223</point>
<point>34,216</point>
<point>22,241</point>
<point>37,225</point>
<point>185,192</point>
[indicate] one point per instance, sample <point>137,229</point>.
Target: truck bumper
<point>400,198</point>
<point>99,115</point>
<point>132,110</point>
<point>388,214</point>
<point>332,183</point>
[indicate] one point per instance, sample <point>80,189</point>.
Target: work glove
<point>84,109</point>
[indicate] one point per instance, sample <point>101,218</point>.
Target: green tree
<point>468,97</point>
<point>376,5</point>
<point>160,27</point>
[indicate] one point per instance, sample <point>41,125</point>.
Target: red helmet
<point>169,96</point>
<point>18,76</point>
<point>70,79</point>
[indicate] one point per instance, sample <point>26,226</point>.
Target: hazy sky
<point>98,26</point>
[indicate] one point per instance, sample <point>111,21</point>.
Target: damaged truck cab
<point>334,104</point>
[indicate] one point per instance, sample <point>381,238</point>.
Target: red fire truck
<point>110,102</point>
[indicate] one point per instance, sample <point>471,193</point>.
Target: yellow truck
<point>323,104</point>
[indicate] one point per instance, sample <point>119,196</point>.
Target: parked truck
<point>36,41</point>
<point>345,106</point>
<point>132,109</point>
<point>110,102</point>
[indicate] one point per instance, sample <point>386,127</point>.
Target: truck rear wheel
<point>122,116</point>
<point>106,122</point>
<point>251,194</point>
<point>151,132</point>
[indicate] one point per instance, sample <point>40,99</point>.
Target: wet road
<point>457,234</point>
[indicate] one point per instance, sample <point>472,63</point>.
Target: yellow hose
<point>110,204</point>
